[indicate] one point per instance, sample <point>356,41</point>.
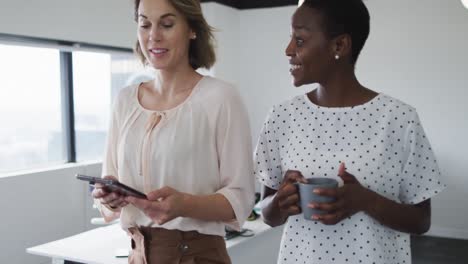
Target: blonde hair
<point>201,49</point>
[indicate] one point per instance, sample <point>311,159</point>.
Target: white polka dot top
<point>382,143</point>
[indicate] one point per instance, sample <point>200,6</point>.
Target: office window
<point>97,79</point>
<point>56,99</point>
<point>31,133</point>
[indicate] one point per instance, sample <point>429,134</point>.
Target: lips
<point>158,52</point>
<point>294,67</point>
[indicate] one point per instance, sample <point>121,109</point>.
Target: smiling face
<point>310,51</point>
<point>163,35</point>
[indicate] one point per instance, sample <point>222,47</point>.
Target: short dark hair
<point>201,49</point>
<point>344,17</point>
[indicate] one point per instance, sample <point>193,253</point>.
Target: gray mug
<point>307,195</point>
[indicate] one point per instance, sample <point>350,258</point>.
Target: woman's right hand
<point>287,196</point>
<point>112,200</point>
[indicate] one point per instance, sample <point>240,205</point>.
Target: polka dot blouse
<point>382,143</point>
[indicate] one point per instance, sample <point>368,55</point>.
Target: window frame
<point>65,49</point>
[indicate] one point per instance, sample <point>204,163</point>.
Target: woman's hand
<point>351,198</point>
<point>162,205</point>
<point>112,200</point>
<point>287,196</point>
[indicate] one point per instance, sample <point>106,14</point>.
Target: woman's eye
<point>144,26</point>
<point>166,23</point>
<point>299,41</point>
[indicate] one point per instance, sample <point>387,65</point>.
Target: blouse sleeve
<point>267,161</point>
<point>234,149</point>
<point>109,163</point>
<point>420,173</point>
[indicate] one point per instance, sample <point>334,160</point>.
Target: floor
<point>434,250</point>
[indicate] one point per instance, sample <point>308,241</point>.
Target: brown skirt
<point>162,246</point>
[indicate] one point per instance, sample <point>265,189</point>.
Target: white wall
<point>416,52</point>
<point>225,20</point>
<point>107,22</point>
<point>264,68</point>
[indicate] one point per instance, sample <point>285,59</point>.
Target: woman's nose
<point>155,34</point>
<point>290,49</point>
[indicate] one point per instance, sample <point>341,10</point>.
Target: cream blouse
<point>201,147</point>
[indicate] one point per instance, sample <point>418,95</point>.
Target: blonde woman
<point>183,139</point>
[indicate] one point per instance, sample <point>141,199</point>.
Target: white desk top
<point>98,246</point>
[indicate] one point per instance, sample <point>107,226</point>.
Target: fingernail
<point>315,217</point>
<point>312,205</point>
<point>316,191</point>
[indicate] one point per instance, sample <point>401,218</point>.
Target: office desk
<point>98,246</point>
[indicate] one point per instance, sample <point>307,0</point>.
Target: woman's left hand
<point>162,205</point>
<point>350,198</point>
